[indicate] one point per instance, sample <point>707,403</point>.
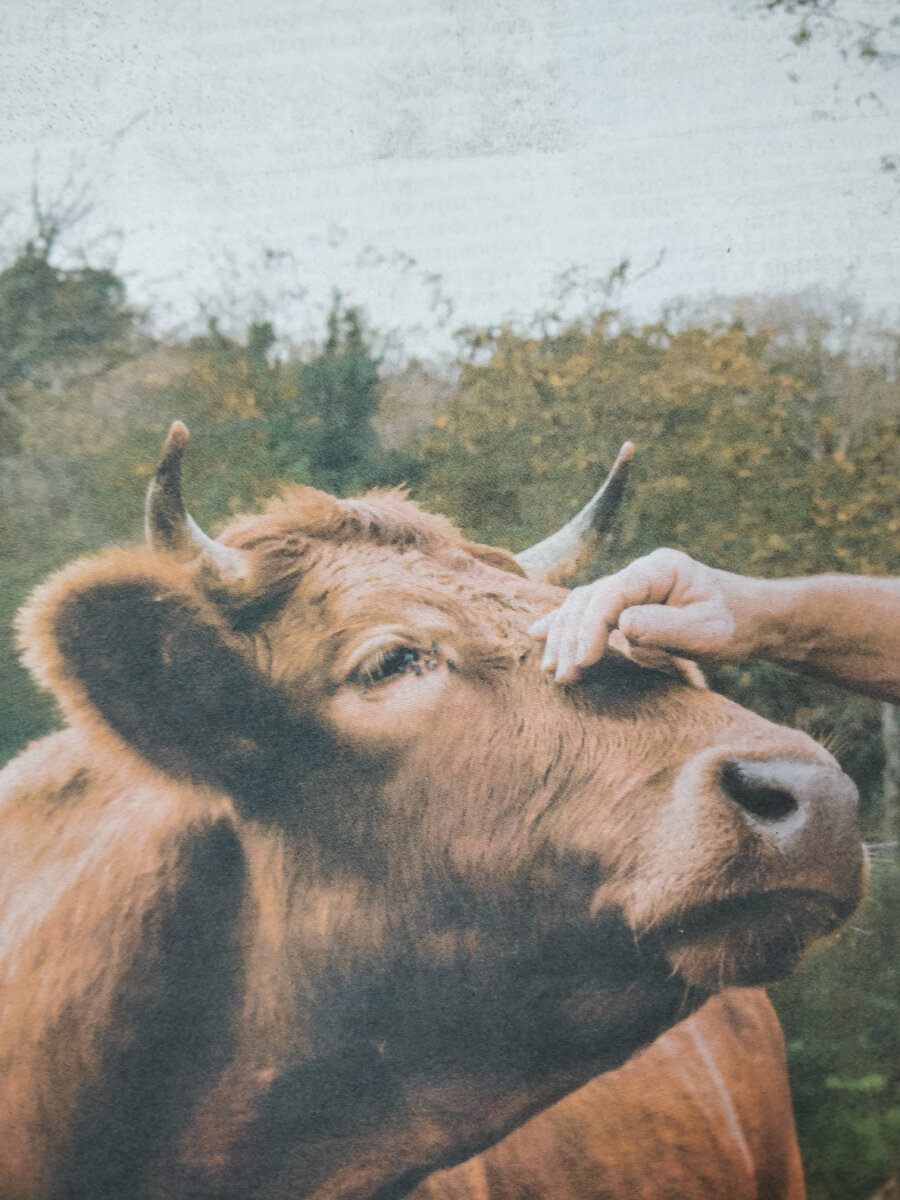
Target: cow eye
<point>387,664</point>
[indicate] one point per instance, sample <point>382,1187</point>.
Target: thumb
<point>696,629</point>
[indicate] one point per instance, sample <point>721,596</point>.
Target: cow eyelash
<point>391,662</point>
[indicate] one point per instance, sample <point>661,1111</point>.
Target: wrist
<point>778,626</point>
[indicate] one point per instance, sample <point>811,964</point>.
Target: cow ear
<point>128,642</point>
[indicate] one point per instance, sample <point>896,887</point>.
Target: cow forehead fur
<point>330,554</point>
<point>285,534</point>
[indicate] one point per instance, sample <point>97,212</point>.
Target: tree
<point>338,392</point>
<point>864,32</point>
<point>55,323</point>
<point>61,329</point>
<point>868,31</point>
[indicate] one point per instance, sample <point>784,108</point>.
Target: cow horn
<point>559,558</point>
<point>170,527</point>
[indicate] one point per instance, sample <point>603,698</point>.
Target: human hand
<point>666,601</point>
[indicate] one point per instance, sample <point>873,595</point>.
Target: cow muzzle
<point>781,866</point>
<point>800,807</point>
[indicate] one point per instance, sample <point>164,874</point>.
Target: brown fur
<point>326,885</point>
<point>702,1114</point>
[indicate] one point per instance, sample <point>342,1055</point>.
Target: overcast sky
<point>435,152</point>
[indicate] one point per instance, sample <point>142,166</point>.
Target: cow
<point>325,886</point>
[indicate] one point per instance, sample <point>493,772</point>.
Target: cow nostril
<point>757,796</point>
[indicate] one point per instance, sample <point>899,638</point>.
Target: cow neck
<point>375,1110</point>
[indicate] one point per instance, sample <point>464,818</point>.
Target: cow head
<point>469,888</point>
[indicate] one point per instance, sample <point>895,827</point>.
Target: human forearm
<point>842,628</point>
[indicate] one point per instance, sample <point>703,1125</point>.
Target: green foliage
<point>51,323</point>
<point>60,332</point>
<point>841,1015</point>
<point>328,412</point>
<point>739,457</point>
<point>340,389</point>
<point>335,398</point>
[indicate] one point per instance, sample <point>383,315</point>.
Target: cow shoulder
<point>703,1112</point>
<point>120,893</point>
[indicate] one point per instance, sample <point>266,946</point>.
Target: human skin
<point>842,628</point>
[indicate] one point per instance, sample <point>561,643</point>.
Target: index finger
<point>646,581</point>
<point>643,581</point>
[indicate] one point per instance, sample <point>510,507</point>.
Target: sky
<point>446,162</point>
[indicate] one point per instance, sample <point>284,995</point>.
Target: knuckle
<point>667,557</point>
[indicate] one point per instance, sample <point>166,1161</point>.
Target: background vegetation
<point>768,442</point>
